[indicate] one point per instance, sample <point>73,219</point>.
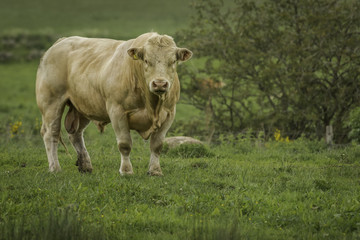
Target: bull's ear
<point>183,54</point>
<point>136,53</point>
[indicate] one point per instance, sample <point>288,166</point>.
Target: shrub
<point>23,46</point>
<point>354,124</point>
<point>262,66</point>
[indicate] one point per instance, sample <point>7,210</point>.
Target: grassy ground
<point>246,189</point>
<point>122,19</point>
<point>278,191</point>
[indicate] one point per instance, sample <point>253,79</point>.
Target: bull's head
<point>159,57</point>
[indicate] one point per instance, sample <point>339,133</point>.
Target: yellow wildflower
<point>279,138</point>
<point>277,135</point>
<point>15,128</point>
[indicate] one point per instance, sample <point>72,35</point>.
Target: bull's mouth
<point>160,92</point>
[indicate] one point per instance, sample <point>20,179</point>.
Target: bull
<point>131,84</point>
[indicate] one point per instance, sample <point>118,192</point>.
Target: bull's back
<point>72,70</point>
<point>78,55</point>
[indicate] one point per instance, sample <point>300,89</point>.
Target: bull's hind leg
<point>50,131</point>
<point>75,124</point>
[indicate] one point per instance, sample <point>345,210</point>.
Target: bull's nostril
<point>159,84</point>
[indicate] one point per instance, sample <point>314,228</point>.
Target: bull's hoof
<point>126,169</point>
<point>55,169</point>
<point>84,165</point>
<point>123,173</point>
<point>85,170</point>
<point>155,173</point>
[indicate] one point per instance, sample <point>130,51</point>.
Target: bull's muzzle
<point>159,86</point>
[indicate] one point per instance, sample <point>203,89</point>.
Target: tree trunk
<point>329,136</point>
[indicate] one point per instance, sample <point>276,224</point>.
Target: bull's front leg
<point>123,138</point>
<point>156,143</point>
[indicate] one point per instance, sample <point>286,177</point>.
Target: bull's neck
<point>156,101</point>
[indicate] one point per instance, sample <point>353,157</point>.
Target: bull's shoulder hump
<point>89,45</point>
<point>85,40</point>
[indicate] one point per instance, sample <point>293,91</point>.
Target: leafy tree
<point>289,64</point>
<point>353,123</point>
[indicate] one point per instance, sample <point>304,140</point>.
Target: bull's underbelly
<point>139,120</point>
<point>91,108</point>
<point>145,123</point>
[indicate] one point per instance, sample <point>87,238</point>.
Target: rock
<point>173,142</point>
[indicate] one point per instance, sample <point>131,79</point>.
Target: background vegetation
<point>251,182</point>
<point>291,65</point>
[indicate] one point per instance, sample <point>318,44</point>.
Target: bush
<point>24,46</point>
<point>261,65</point>
<point>354,124</point>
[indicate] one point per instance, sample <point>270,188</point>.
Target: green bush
<point>24,46</point>
<point>354,124</point>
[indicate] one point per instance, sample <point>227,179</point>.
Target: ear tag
<point>135,57</point>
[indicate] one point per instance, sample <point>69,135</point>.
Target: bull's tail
<point>62,143</point>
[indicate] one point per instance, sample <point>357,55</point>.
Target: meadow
<point>123,19</point>
<point>239,188</point>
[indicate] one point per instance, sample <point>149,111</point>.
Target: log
<point>173,142</point>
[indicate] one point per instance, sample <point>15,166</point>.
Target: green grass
<point>243,189</point>
<point>240,189</point>
<point>270,192</point>
<point>123,19</point>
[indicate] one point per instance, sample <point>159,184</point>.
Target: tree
<point>287,64</point>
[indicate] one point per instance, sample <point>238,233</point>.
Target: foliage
<point>194,127</point>
<point>353,123</point>
<point>24,46</point>
<point>291,65</point>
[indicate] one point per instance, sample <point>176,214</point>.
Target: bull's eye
<point>146,61</point>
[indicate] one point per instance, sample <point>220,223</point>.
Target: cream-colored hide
<point>132,84</point>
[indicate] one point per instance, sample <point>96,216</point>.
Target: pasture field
<point>241,188</point>
<point>244,189</point>
<point>123,19</point>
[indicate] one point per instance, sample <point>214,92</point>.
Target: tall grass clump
<point>57,225</point>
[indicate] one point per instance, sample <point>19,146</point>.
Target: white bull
<point>132,84</point>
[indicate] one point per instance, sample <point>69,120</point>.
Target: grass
<point>269,192</point>
<point>243,189</point>
<point>239,189</point>
<point>124,19</point>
